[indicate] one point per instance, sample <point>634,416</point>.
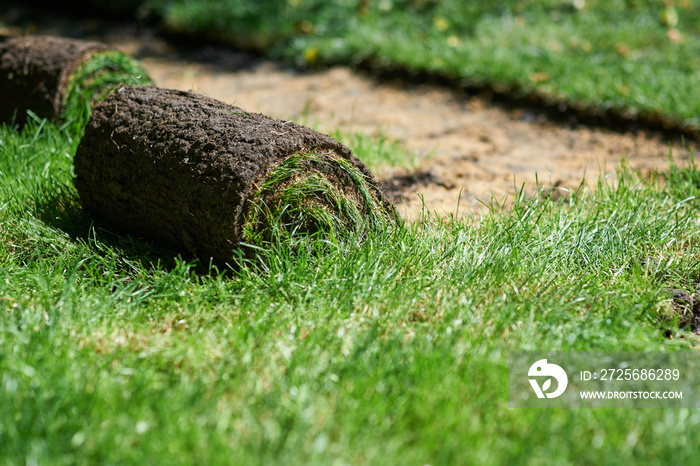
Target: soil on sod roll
<point>204,176</point>
<point>55,77</point>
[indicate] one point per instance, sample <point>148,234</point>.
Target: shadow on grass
<point>61,209</point>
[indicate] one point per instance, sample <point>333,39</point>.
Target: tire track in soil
<point>469,150</point>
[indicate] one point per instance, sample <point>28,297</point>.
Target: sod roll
<point>205,177</point>
<point>55,77</point>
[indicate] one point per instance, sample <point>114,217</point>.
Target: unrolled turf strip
<point>56,77</point>
<point>202,176</point>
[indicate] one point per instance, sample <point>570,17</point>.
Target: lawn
<point>389,349</point>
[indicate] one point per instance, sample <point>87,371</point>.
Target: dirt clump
<point>686,305</point>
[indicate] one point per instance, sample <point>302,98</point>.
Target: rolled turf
<point>59,78</point>
<point>206,177</point>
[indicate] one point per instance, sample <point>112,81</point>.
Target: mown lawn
<point>387,351</point>
<point>391,350</point>
<point>637,58</point>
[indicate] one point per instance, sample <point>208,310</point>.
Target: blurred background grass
<point>638,59</point>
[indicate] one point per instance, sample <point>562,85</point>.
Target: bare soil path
<point>469,149</point>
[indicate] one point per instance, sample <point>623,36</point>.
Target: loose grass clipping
<point>212,179</point>
<point>59,78</point>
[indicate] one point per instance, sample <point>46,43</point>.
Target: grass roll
<point>202,176</point>
<point>60,78</point>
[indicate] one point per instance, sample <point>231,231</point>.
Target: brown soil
<point>470,149</point>
<point>687,307</point>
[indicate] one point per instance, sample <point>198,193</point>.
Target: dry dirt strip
<point>470,150</point>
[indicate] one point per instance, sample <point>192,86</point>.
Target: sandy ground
<point>469,149</point>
